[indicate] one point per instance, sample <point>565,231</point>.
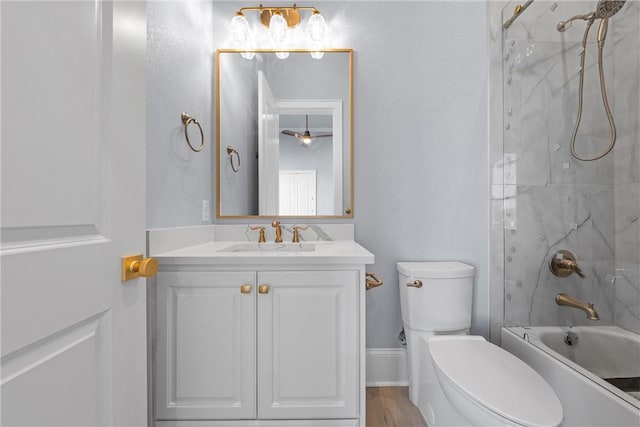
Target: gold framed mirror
<point>284,133</point>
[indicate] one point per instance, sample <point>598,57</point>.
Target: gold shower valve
<point>135,266</point>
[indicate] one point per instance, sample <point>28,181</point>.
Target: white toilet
<point>456,379</point>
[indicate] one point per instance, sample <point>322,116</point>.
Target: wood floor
<point>391,407</point>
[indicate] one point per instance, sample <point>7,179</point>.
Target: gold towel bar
<point>374,283</point>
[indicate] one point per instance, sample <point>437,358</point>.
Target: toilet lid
<point>497,380</point>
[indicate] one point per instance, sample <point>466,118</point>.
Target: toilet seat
<point>496,380</point>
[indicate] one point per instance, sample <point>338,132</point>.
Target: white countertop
<point>215,253</point>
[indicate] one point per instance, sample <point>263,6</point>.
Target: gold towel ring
<point>231,151</point>
<point>187,120</point>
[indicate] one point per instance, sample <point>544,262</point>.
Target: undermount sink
<point>270,247</point>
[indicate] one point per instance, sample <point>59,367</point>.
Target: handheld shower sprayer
<point>605,9</point>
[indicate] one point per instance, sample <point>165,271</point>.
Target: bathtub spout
<point>564,299</point>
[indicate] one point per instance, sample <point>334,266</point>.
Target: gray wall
<point>421,145</point>
<point>179,78</point>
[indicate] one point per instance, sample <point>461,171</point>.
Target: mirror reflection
<point>289,120</point>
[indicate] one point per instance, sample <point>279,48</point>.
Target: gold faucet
<point>276,225</point>
<point>564,299</point>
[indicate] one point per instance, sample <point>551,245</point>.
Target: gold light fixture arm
<point>290,13</point>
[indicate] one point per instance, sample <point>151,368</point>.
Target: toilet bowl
<point>456,379</point>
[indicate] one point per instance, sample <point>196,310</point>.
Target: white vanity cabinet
<point>257,346</point>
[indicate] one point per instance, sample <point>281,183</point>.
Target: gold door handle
<point>263,289</point>
<point>415,284</point>
<point>135,266</point>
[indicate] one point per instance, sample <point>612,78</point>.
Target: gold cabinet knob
<point>135,266</point>
<point>245,289</point>
<point>263,289</point>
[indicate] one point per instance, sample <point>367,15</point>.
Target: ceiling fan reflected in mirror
<point>306,137</point>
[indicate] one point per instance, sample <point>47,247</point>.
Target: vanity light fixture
<point>278,20</point>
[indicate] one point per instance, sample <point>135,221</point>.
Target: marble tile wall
<point>543,199</point>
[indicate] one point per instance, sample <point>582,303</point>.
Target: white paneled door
<point>73,203</point>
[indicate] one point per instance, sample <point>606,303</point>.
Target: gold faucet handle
<point>563,263</point>
<point>571,265</point>
<point>262,237</point>
<point>296,232</point>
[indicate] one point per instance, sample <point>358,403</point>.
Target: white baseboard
<point>387,367</point>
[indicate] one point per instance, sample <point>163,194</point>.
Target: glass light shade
<point>316,50</point>
<point>282,55</point>
<point>248,55</point>
<point>317,27</point>
<point>278,28</point>
<point>239,28</point>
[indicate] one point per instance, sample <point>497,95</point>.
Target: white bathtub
<point>576,372</point>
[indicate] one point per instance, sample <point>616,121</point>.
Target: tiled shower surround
<point>543,199</point>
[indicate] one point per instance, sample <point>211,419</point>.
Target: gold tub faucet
<point>564,299</point>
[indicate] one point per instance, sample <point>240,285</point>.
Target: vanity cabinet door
<point>308,345</point>
<point>205,347</point>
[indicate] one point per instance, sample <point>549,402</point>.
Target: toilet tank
<point>443,301</point>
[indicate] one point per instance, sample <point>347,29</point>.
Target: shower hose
<point>605,101</point>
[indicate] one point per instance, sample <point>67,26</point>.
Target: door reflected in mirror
<point>291,120</point>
